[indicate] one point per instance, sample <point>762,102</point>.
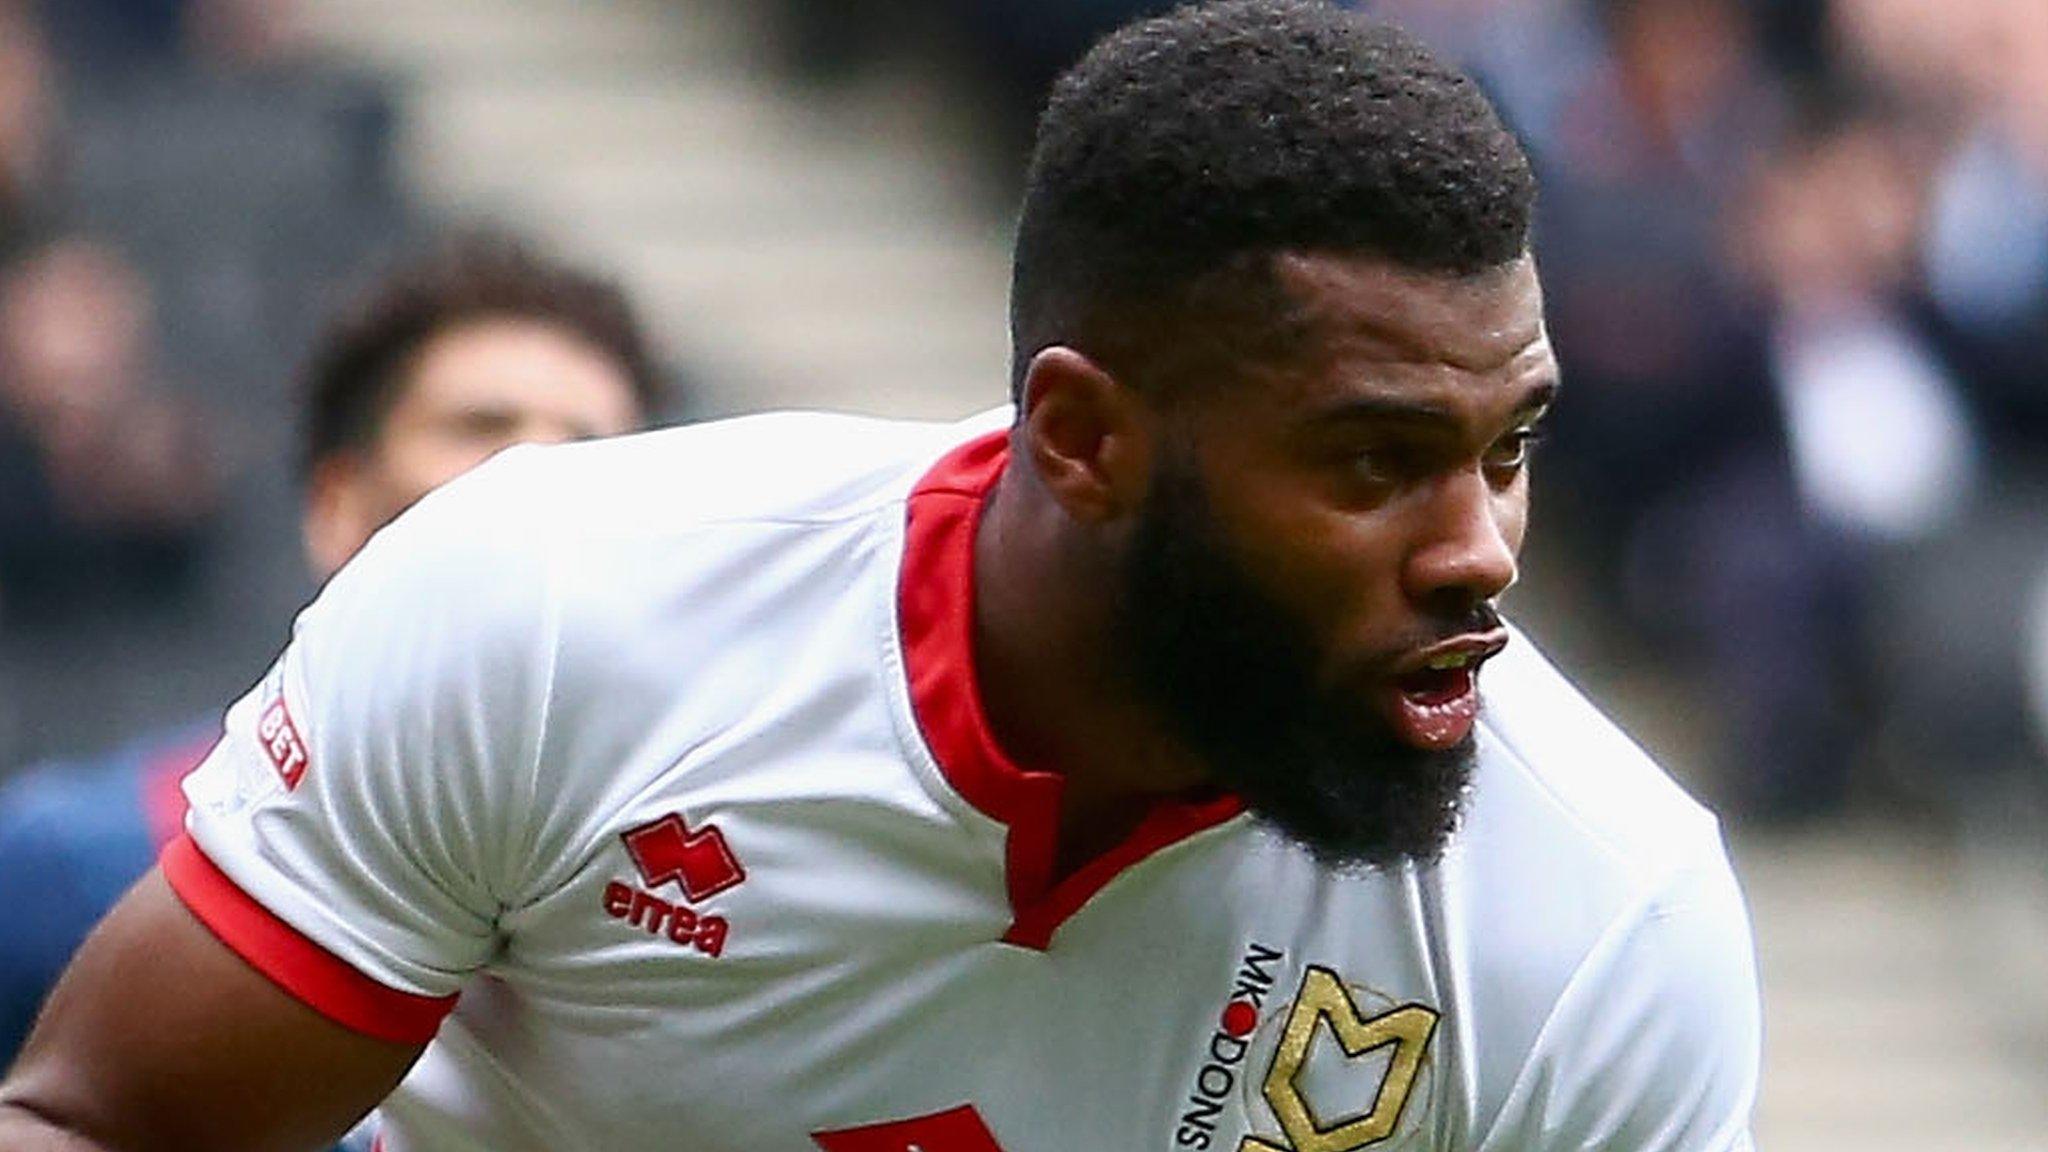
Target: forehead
<point>519,364</point>
<point>1363,322</point>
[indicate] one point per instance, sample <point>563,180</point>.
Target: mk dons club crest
<point>1335,1069</point>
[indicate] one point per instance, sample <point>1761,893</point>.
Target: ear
<point>1089,438</point>
<point>338,517</point>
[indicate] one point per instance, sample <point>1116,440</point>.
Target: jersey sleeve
<point>1655,1043</point>
<point>355,834</point>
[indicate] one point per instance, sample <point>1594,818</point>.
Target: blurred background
<point>1792,523</point>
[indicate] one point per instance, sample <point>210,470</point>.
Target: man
<point>475,346</point>
<point>1109,775</point>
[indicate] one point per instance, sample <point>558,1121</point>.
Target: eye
<point>1368,467</point>
<point>1510,454</point>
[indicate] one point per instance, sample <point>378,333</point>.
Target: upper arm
<point>1654,1045</point>
<point>350,847</point>
<point>160,1037</point>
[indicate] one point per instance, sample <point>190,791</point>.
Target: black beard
<point>1235,676</point>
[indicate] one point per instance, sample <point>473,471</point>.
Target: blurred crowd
<point>1797,253</point>
<point>182,190</point>
<point>1798,265</point>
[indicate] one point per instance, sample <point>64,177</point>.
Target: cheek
<point>450,455</point>
<point>1513,514</point>
<point>424,463</point>
<point>1343,577</point>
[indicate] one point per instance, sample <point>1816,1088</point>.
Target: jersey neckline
<point>935,610</point>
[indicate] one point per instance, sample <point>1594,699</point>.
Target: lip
<point>1477,647</point>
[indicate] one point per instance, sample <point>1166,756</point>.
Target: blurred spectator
<point>1882,445</point>
<point>1949,624</point>
<point>107,483</point>
<point>1671,462</point>
<point>2035,657</point>
<point>1884,452</point>
<point>1642,163</point>
<point>243,34</point>
<point>454,356</point>
<point>115,41</point>
<point>1532,55</point>
<point>27,120</point>
<point>239,195</point>
<point>1935,58</point>
<point>1986,244</point>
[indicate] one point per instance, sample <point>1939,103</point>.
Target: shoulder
<point>1571,828</point>
<point>550,543</point>
<point>1608,936</point>
<point>693,581</point>
<point>782,467</point>
<point>1556,765</point>
<point>675,551</point>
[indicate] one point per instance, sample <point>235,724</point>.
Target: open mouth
<point>1434,703</point>
<point>1435,687</point>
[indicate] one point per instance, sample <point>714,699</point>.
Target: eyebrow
<point>1387,409</point>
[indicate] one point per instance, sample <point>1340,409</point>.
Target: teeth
<point>1446,663</point>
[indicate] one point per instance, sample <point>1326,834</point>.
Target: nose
<point>1465,547</point>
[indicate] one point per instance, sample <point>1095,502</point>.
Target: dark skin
<point>1379,481</point>
<point>159,1037</point>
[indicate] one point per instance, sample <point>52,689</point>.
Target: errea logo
<point>699,862</point>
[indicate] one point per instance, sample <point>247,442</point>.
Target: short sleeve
<point>1654,1045</point>
<point>355,833</point>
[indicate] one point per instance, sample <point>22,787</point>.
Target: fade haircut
<point>361,366</point>
<point>1185,152</point>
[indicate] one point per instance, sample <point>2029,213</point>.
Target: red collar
<point>936,614</point>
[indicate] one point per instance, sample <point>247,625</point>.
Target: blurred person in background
<point>152,165</point>
<point>28,106</point>
<point>1985,245</point>
<point>115,41</point>
<point>1642,160</point>
<point>1646,155</point>
<point>1532,55</point>
<point>1878,455</point>
<point>108,482</point>
<point>1950,656</point>
<point>455,355</point>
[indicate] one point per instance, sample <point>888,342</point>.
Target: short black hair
<point>1201,143</point>
<point>361,365</point>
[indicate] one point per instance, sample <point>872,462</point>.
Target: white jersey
<point>660,762</point>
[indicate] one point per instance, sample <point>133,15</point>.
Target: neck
<point>1049,681</point>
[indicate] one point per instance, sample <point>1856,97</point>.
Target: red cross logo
<point>700,861</point>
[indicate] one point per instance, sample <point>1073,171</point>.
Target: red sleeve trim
<point>314,976</point>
